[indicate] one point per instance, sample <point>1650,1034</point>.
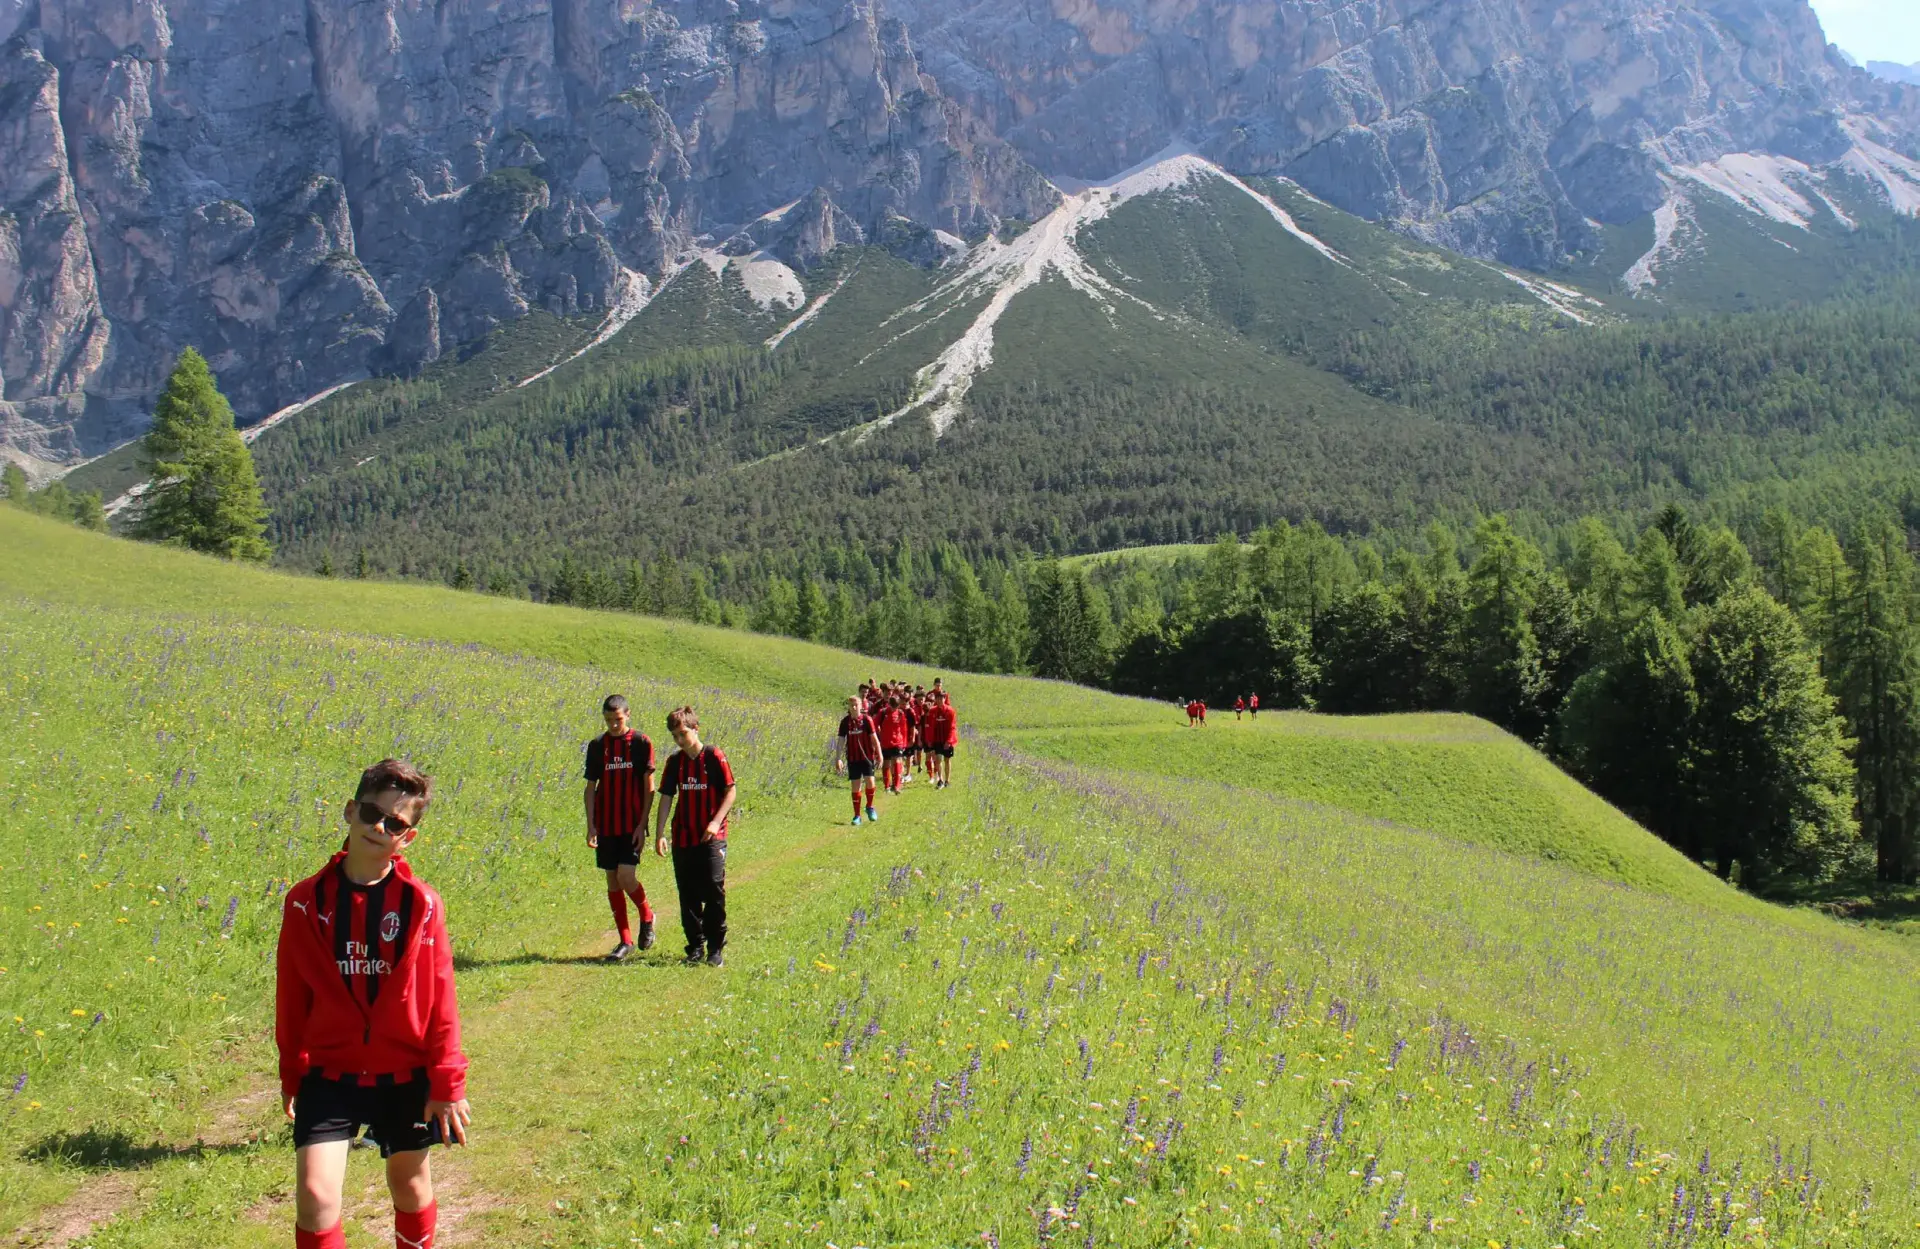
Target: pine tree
<point>201,491</point>
<point>1365,653</point>
<point>1876,675</point>
<point>1009,622</point>
<point>362,566</point>
<point>13,484</point>
<point>965,639</point>
<point>462,576</point>
<point>1627,730</point>
<point>1773,783</point>
<point>1070,628</point>
<point>813,617</point>
<point>1506,680</point>
<point>325,567</point>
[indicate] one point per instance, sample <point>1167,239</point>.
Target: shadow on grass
<point>1861,899</point>
<point>97,1150</point>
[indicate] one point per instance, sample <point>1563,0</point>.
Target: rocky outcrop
<point>308,190</point>
<point>270,180</point>
<point>1503,128</point>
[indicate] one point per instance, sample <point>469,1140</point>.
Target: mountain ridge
<point>335,200</point>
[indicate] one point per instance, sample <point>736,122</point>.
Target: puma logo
<point>303,907</point>
<point>407,1242</point>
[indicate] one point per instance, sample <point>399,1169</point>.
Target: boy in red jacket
<point>365,1016</point>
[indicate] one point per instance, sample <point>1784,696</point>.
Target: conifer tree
<point>1627,730</point>
<point>965,641</point>
<point>1772,779</point>
<point>812,615</point>
<point>1506,680</point>
<point>1069,626</point>
<point>13,484</point>
<point>201,490</point>
<point>325,567</point>
<point>1876,646</point>
<point>462,576</point>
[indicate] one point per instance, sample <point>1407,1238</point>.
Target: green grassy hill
<point>1378,982</point>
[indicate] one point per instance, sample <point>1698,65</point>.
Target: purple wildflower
<point>19,1085</point>
<point>1026,1154</point>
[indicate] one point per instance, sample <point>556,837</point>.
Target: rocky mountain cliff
<point>312,190</point>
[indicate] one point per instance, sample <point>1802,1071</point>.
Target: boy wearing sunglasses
<point>365,1016</point>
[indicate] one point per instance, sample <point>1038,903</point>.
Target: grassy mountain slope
<point>1099,988</point>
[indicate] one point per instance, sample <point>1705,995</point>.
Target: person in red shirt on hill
<point>1253,705</point>
<point>1202,704</point>
<point>700,780</point>
<point>1193,713</point>
<point>365,1016</point>
<point>896,732</point>
<point>1239,706</point>
<point>941,727</point>
<point>619,797</point>
<point>858,745</point>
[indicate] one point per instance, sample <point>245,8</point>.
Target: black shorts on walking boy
<point>615,852</point>
<point>393,1113</point>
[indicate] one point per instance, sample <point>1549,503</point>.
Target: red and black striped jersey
<point>702,784</point>
<point>369,926</point>
<point>621,764</point>
<point>859,732</point>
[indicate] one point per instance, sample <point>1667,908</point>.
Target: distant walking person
<point>941,727</point>
<point>619,797</point>
<point>365,1017</point>
<point>1253,705</point>
<point>700,782</point>
<point>858,744</point>
<point>1239,707</point>
<point>896,733</point>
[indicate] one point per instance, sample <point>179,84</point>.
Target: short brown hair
<point>684,718</point>
<point>395,774</point>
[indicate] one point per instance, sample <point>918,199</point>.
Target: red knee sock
<point>413,1230</point>
<point>856,804</point>
<point>618,901</point>
<point>639,896</point>
<point>334,1237</point>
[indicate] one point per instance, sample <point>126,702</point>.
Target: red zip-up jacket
<point>942,727</point>
<point>414,1023</point>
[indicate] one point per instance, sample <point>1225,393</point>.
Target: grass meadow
<point>1309,981</point>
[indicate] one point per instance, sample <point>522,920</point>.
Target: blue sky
<point>1873,30</point>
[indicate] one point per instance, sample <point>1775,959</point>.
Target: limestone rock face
<point>270,180</point>
<point>309,190</point>
<point>1498,127</point>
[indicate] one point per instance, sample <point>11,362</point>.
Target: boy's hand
<point>660,847</point>
<point>453,1118</point>
<point>713,830</point>
<point>288,1107</point>
<point>593,837</point>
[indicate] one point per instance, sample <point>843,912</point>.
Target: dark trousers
<point>700,874</point>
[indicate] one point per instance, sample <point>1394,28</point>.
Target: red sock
<point>856,804</point>
<point>334,1237</point>
<point>618,901</point>
<point>413,1230</point>
<point>639,896</point>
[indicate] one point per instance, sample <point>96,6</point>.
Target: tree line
<point>55,499</point>
<point>1756,706</point>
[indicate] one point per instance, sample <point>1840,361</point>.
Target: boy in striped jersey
<point>699,781</point>
<point>619,795</point>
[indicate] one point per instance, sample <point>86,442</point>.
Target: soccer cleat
<point>856,821</point>
<point>620,952</point>
<point>716,959</point>
<point>873,817</point>
<point>696,956</point>
<point>646,934</point>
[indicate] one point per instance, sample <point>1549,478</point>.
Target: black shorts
<point>394,1114</point>
<point>894,752</point>
<point>859,769</point>
<point>615,852</point>
<point>945,752</point>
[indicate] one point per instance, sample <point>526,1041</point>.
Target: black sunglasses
<point>392,825</point>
